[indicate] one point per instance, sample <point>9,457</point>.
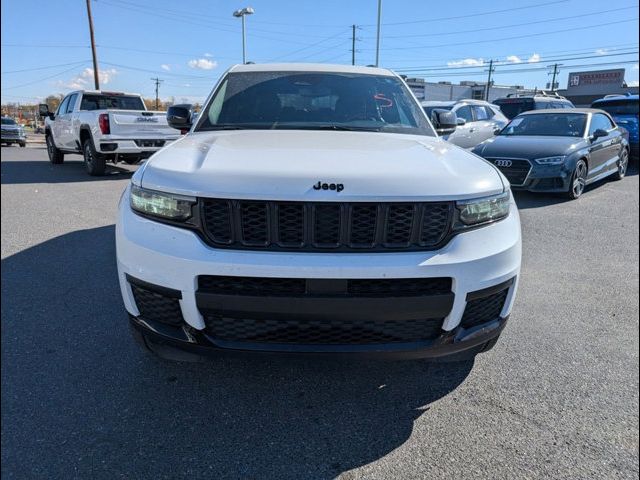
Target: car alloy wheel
<point>623,164</point>
<point>579,179</point>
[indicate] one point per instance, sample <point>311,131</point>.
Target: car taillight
<point>103,122</point>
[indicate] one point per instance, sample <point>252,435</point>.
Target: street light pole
<point>378,33</point>
<point>242,13</point>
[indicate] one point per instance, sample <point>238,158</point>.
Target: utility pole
<point>157,81</point>
<point>554,76</point>
<point>486,90</point>
<point>353,44</point>
<point>93,47</point>
<point>378,33</point>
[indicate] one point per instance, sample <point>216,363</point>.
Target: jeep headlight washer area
<point>228,241</point>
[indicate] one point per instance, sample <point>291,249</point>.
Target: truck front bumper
<point>164,264</point>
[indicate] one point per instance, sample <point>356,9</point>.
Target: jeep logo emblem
<point>503,163</point>
<point>338,187</point>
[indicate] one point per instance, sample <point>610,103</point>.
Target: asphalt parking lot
<point>556,398</point>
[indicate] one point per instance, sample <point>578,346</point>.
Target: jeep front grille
<point>330,226</point>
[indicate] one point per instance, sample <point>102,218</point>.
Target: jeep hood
<point>285,164</point>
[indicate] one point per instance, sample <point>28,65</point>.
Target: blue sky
<point>189,44</point>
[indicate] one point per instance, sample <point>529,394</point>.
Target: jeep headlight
<point>551,160</point>
<point>483,210</point>
<point>160,204</point>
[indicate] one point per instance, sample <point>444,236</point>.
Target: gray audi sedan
<point>558,150</point>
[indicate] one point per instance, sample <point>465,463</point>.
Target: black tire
<point>56,157</point>
<point>23,144</point>
<point>578,180</point>
<point>623,165</point>
<point>95,163</point>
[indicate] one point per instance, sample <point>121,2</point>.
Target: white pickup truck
<point>104,127</point>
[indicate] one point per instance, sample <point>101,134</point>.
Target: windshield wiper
<point>341,128</point>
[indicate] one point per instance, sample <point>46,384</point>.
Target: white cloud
<point>514,59</point>
<point>165,67</point>
<point>467,62</point>
<point>633,83</point>
<point>202,64</point>
<point>601,51</point>
<point>186,85</point>
<point>535,58</point>
<point>85,79</point>
<point>208,55</point>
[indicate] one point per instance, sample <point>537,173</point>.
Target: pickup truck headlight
<point>483,210</point>
<point>551,160</point>
<point>160,204</point>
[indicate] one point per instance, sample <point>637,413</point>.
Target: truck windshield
<point>619,107</point>
<point>548,125</point>
<point>8,121</point>
<point>116,102</point>
<point>313,101</point>
<point>512,107</point>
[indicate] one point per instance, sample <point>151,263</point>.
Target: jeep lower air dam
<point>313,209</point>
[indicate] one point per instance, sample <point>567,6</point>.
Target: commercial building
<point>585,87</point>
<point>443,91</point>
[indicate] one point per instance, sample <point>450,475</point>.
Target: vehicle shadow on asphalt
<point>80,400</point>
<point>526,200</point>
<point>23,172</point>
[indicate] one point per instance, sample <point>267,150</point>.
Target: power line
<point>326,39</point>
<point>43,68</point>
<point>40,79</point>
<point>491,12</point>
<point>512,37</point>
<point>499,27</point>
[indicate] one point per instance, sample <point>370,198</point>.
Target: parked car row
<point>549,145</point>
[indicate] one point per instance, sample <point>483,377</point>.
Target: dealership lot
<point>556,398</point>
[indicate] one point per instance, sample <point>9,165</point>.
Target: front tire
<point>95,163</point>
<point>578,180</point>
<point>623,164</point>
<point>22,144</point>
<point>56,157</point>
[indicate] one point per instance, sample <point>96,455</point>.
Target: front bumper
<point>175,258</point>
<point>547,178</point>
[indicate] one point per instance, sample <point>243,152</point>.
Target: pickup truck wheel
<point>22,144</point>
<point>96,163</point>
<point>56,157</point>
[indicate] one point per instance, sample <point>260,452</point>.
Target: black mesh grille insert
<point>251,285</point>
<point>399,286</point>
<point>329,226</point>
<point>322,332</point>
<point>157,307</point>
<point>484,309</point>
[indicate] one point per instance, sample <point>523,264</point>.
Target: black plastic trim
<point>167,292</point>
<point>485,292</point>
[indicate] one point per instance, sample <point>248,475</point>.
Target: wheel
<point>23,144</point>
<point>56,157</point>
<point>96,163</point>
<point>578,180</point>
<point>623,164</point>
<point>132,160</point>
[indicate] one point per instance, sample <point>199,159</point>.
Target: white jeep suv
<point>313,209</point>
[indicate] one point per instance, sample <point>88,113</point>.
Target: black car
<point>513,105</point>
<point>558,150</point>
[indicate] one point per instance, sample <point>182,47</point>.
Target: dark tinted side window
<point>599,122</point>
<point>512,107</point>
<point>465,112</point>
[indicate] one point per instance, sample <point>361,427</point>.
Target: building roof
<point>310,67</point>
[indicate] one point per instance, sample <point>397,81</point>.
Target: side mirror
<point>497,131</point>
<point>179,117</point>
<point>461,121</point>
<point>444,121</point>
<point>599,133</point>
<point>43,111</point>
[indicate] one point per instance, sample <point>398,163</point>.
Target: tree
<point>53,101</point>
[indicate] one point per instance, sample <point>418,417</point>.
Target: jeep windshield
<point>547,125</point>
<point>313,101</point>
<point>115,102</point>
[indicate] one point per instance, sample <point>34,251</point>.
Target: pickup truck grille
<point>330,226</point>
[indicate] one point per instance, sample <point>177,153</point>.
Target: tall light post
<point>378,32</point>
<point>242,13</point>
